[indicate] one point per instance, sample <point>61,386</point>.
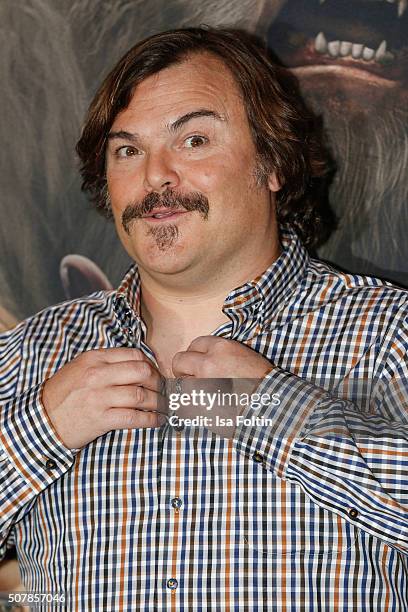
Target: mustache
<point>194,201</point>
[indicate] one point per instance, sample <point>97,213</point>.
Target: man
<point>203,157</point>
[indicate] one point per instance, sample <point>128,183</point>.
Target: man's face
<point>185,134</point>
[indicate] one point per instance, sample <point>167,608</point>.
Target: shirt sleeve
<point>32,456</point>
<point>348,461</point>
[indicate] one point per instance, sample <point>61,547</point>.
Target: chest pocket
<point>278,519</point>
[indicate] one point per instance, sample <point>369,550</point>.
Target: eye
<point>195,141</point>
<point>127,151</point>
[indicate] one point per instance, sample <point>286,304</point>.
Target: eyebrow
<point>172,127</point>
<point>123,135</point>
<point>201,112</point>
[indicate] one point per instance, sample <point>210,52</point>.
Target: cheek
<point>117,216</point>
<point>116,190</point>
<point>214,179</point>
<point>200,177</point>
<point>123,187</point>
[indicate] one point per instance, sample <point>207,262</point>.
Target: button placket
<point>50,464</point>
<point>178,427</point>
<point>129,325</point>
<point>257,457</point>
<point>176,503</point>
<point>172,584</point>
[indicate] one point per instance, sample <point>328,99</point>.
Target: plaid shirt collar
<point>260,299</point>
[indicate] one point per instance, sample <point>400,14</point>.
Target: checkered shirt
<point>309,513</point>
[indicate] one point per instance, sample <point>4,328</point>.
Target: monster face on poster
<point>203,341</point>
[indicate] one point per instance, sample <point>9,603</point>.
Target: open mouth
<point>163,214</point>
<point>363,35</point>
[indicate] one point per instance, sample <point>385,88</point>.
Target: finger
<point>131,372</point>
<point>122,418</point>
<point>146,374</point>
<point>202,343</point>
<point>111,355</point>
<point>134,397</point>
<point>187,363</point>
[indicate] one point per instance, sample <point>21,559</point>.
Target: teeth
<point>402,6</point>
<point>381,51</point>
<point>344,48</point>
<point>321,42</point>
<point>160,215</point>
<point>368,53</point>
<point>334,48</point>
<point>356,51</point>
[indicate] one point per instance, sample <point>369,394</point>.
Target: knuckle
<point>150,419</point>
<point>145,369</point>
<point>138,395</point>
<point>126,421</point>
<point>175,364</point>
<point>181,356</point>
<point>87,357</point>
<point>92,375</point>
<point>120,419</point>
<point>219,345</point>
<point>207,368</point>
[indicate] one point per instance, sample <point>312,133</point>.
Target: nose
<point>160,173</point>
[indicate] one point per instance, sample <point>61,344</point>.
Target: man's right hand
<point>102,390</point>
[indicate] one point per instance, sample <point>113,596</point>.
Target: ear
<point>273,182</point>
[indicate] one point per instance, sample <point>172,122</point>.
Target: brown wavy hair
<point>283,130</point>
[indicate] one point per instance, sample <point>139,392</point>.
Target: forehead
<point>200,81</point>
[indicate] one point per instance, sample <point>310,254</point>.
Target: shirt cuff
<point>268,429</point>
<point>30,442</point>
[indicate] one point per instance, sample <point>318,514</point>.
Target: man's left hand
<point>214,357</point>
<point>215,366</point>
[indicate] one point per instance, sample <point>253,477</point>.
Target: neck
<point>203,288</point>
<point>173,321</point>
<point>176,312</point>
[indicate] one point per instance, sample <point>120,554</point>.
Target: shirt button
<point>353,513</point>
<point>176,502</point>
<point>172,584</point>
<point>50,464</point>
<point>257,457</point>
<point>178,427</point>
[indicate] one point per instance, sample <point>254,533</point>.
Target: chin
<point>166,262</point>
<point>162,249</point>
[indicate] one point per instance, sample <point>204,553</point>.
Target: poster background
<point>54,53</point>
